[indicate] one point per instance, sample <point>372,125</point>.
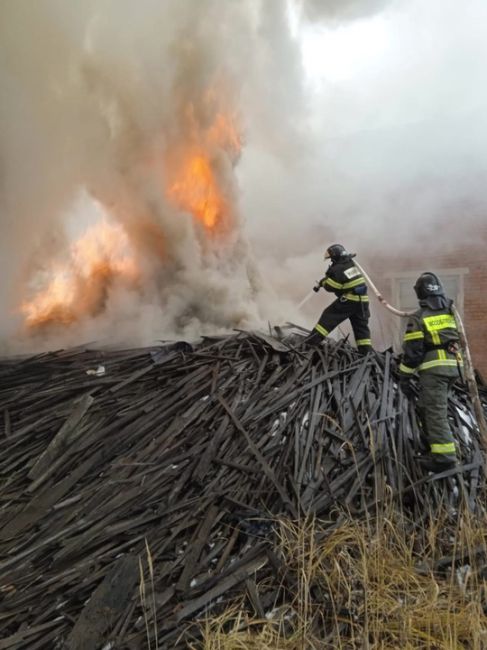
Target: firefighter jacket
<point>431,340</point>
<point>345,280</point>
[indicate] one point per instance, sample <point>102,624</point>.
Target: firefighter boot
<point>435,464</point>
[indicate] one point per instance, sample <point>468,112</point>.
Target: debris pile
<point>177,460</point>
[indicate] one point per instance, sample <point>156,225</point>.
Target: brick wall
<point>472,257</point>
<point>475,313</point>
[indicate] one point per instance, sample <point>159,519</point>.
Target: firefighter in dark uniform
<point>431,347</point>
<point>344,280</point>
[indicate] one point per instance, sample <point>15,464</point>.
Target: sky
<point>362,121</point>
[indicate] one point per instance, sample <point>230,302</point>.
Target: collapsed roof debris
<point>188,453</point>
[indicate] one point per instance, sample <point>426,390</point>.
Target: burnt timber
<point>175,460</point>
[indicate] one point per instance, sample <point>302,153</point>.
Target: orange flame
<point>197,168</point>
<point>99,258</point>
<point>196,191</point>
<point>195,174</point>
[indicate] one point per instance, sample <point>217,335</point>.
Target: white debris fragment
<point>98,372</point>
<point>463,573</point>
<point>468,425</point>
<point>466,435</point>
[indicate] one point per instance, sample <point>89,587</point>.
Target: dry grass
<point>377,583</point>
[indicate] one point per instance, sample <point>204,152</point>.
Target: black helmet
<point>336,252</point>
<point>428,284</point>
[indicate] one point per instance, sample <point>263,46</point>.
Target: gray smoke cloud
<point>111,100</point>
<point>101,98</point>
<point>395,161</point>
<point>341,10</point>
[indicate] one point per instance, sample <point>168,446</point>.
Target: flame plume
<point>107,256</point>
<point>194,184</point>
<point>99,259</point>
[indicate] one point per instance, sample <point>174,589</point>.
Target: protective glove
<point>317,287</point>
<point>407,387</point>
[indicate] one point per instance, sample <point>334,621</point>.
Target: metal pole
<point>470,378</point>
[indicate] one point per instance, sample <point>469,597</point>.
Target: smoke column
<point>104,102</point>
<point>392,150</point>
<point>114,109</point>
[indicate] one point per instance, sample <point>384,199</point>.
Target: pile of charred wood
<point>177,460</point>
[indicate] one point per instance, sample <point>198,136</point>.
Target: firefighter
<point>344,280</point>
<point>431,347</point>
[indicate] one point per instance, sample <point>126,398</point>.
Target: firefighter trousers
<point>433,413</point>
<point>358,314</point>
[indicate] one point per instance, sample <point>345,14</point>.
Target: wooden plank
<point>39,506</point>
<point>7,426</point>
<point>106,604</point>
<point>66,434</point>
<point>223,586</point>
<point>265,466</point>
<point>138,374</point>
<point>14,639</point>
<point>195,547</point>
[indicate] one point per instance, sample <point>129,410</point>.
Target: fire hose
<point>467,358</point>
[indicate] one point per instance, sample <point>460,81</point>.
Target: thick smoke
<point>100,100</point>
<point>340,10</point>
<point>395,159</point>
<point>109,99</point>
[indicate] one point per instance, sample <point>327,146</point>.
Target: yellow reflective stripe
<point>406,369</point>
<point>321,330</point>
<point>442,322</point>
<point>441,355</point>
<point>445,448</point>
<point>435,324</point>
<point>333,283</point>
<point>352,296</point>
<point>438,363</point>
<point>412,336</point>
<point>353,283</point>
<point>435,338</point>
<point>364,341</point>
